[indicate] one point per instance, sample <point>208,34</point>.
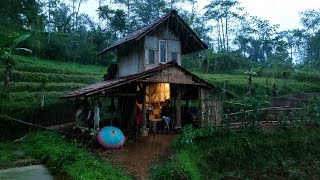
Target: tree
<point>77,13</point>
<point>294,39</point>
<point>23,14</point>
<point>7,46</point>
<point>313,49</point>
<point>62,19</point>
<point>310,19</point>
<point>116,20</point>
<point>257,39</point>
<point>223,12</point>
<point>149,10</point>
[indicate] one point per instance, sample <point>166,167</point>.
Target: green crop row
<point>37,87</point>
<point>238,84</point>
<point>27,103</point>
<point>35,65</point>
<point>20,76</point>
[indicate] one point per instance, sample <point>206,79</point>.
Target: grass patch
<point>26,79</point>
<point>32,64</point>
<point>28,103</point>
<point>7,153</point>
<point>60,155</point>
<point>222,154</point>
<point>23,76</point>
<point>36,87</point>
<point>238,84</point>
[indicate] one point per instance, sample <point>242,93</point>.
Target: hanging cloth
<point>96,116</point>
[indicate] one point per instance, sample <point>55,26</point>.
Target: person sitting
<point>166,112</point>
<point>151,124</point>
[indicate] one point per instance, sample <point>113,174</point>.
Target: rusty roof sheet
<point>147,28</point>
<point>109,84</point>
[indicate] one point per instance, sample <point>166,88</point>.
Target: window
<point>174,56</point>
<point>151,56</point>
<point>163,51</point>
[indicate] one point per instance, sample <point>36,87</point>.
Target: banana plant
<point>7,46</point>
<point>250,86</point>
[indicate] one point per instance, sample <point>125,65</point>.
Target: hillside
<point>27,77</point>
<point>237,84</point>
<point>28,74</point>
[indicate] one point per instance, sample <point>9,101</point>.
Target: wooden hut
<point>148,71</point>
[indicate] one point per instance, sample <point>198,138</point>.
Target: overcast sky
<point>283,12</point>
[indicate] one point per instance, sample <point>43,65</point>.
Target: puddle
<point>137,157</point>
<point>34,172</point>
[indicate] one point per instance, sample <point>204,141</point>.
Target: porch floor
<point>137,157</point>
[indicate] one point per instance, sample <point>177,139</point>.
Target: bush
<point>220,153</point>
<point>171,170</point>
<point>63,156</point>
<point>6,151</point>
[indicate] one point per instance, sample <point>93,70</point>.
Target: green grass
<point>238,84</point>
<point>23,76</point>
<point>36,87</point>
<point>48,66</point>
<point>293,153</point>
<point>26,80</point>
<point>61,155</point>
<point>7,152</point>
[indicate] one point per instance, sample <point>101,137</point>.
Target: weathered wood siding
<point>135,58</point>
<point>172,75</point>
<point>130,59</point>
<point>152,43</point>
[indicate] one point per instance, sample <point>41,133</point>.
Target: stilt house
<point>148,71</point>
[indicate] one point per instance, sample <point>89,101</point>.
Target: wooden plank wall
<point>172,75</point>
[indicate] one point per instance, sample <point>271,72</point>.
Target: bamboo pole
<point>269,108</point>
<point>33,125</point>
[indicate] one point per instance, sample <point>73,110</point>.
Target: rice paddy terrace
<point>30,75</point>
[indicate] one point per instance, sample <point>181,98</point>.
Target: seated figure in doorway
<point>166,114</point>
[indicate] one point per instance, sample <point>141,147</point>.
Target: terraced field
<point>299,82</point>
<point>27,77</point>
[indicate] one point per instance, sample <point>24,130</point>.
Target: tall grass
<point>221,153</point>
<point>61,155</point>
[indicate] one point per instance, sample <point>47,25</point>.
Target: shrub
<point>67,157</point>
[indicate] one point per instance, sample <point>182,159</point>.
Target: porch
<point>116,101</point>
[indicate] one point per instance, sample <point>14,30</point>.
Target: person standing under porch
<point>166,114</point>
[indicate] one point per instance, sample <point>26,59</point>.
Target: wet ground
<point>34,172</point>
<point>137,157</point>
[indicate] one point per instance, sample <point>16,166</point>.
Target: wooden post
<point>144,110</point>
<point>178,108</point>
<point>203,94</point>
<point>96,111</point>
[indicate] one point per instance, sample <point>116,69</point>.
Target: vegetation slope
<point>31,74</point>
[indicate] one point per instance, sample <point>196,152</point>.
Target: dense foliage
<point>236,39</point>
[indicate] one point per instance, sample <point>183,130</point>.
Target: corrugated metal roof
<point>101,86</point>
<point>196,43</point>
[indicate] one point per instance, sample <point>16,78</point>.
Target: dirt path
<point>137,157</point>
